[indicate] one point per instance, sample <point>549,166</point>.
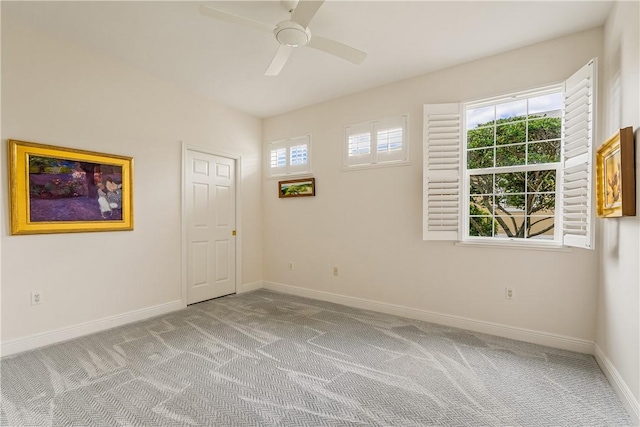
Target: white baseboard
<point>70,332</point>
<point>520,334</point>
<point>619,385</point>
<point>247,287</point>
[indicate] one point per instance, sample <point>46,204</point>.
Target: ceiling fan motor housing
<point>289,5</point>
<point>292,34</point>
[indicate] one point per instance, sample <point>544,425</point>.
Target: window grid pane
<point>517,205</point>
<point>481,222</point>
<point>511,129</point>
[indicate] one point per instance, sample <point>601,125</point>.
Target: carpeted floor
<point>265,358</point>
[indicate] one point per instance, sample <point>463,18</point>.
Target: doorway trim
<point>183,214</point>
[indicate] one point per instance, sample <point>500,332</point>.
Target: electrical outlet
<point>508,293</point>
<point>36,297</point>
<point>290,266</point>
<point>335,271</point>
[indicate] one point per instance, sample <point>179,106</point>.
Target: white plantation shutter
<point>359,147</point>
<point>289,156</point>
<point>277,158</point>
<point>391,139</point>
<point>298,154</point>
<point>441,188</point>
<point>376,141</point>
<point>577,157</point>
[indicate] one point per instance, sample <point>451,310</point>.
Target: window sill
<point>375,165</point>
<point>290,175</point>
<point>513,245</point>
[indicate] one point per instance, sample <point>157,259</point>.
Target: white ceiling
<point>225,62</point>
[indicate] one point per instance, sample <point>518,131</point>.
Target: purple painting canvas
<point>69,190</point>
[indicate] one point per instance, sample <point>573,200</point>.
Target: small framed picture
<point>615,174</point>
<point>297,188</point>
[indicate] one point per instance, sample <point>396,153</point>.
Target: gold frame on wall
<point>615,175</point>
<point>56,190</point>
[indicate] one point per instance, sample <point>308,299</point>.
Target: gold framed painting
<point>64,190</point>
<point>297,188</point>
<point>615,175</point>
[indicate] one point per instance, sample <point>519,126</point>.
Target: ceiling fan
<point>292,33</point>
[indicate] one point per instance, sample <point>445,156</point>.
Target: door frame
<point>183,213</point>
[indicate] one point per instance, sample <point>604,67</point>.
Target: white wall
<point>618,325</point>
<point>62,95</point>
<point>369,222</point>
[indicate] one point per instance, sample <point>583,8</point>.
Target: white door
<point>211,211</point>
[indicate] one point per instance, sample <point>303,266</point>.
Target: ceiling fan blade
<point>333,47</point>
<point>235,19</point>
<point>305,11</point>
<point>278,61</point>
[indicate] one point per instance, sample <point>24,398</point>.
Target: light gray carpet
<point>265,358</point>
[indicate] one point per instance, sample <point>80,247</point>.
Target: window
<point>512,169</point>
<point>290,156</point>
<point>512,166</point>
<point>379,142</point>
